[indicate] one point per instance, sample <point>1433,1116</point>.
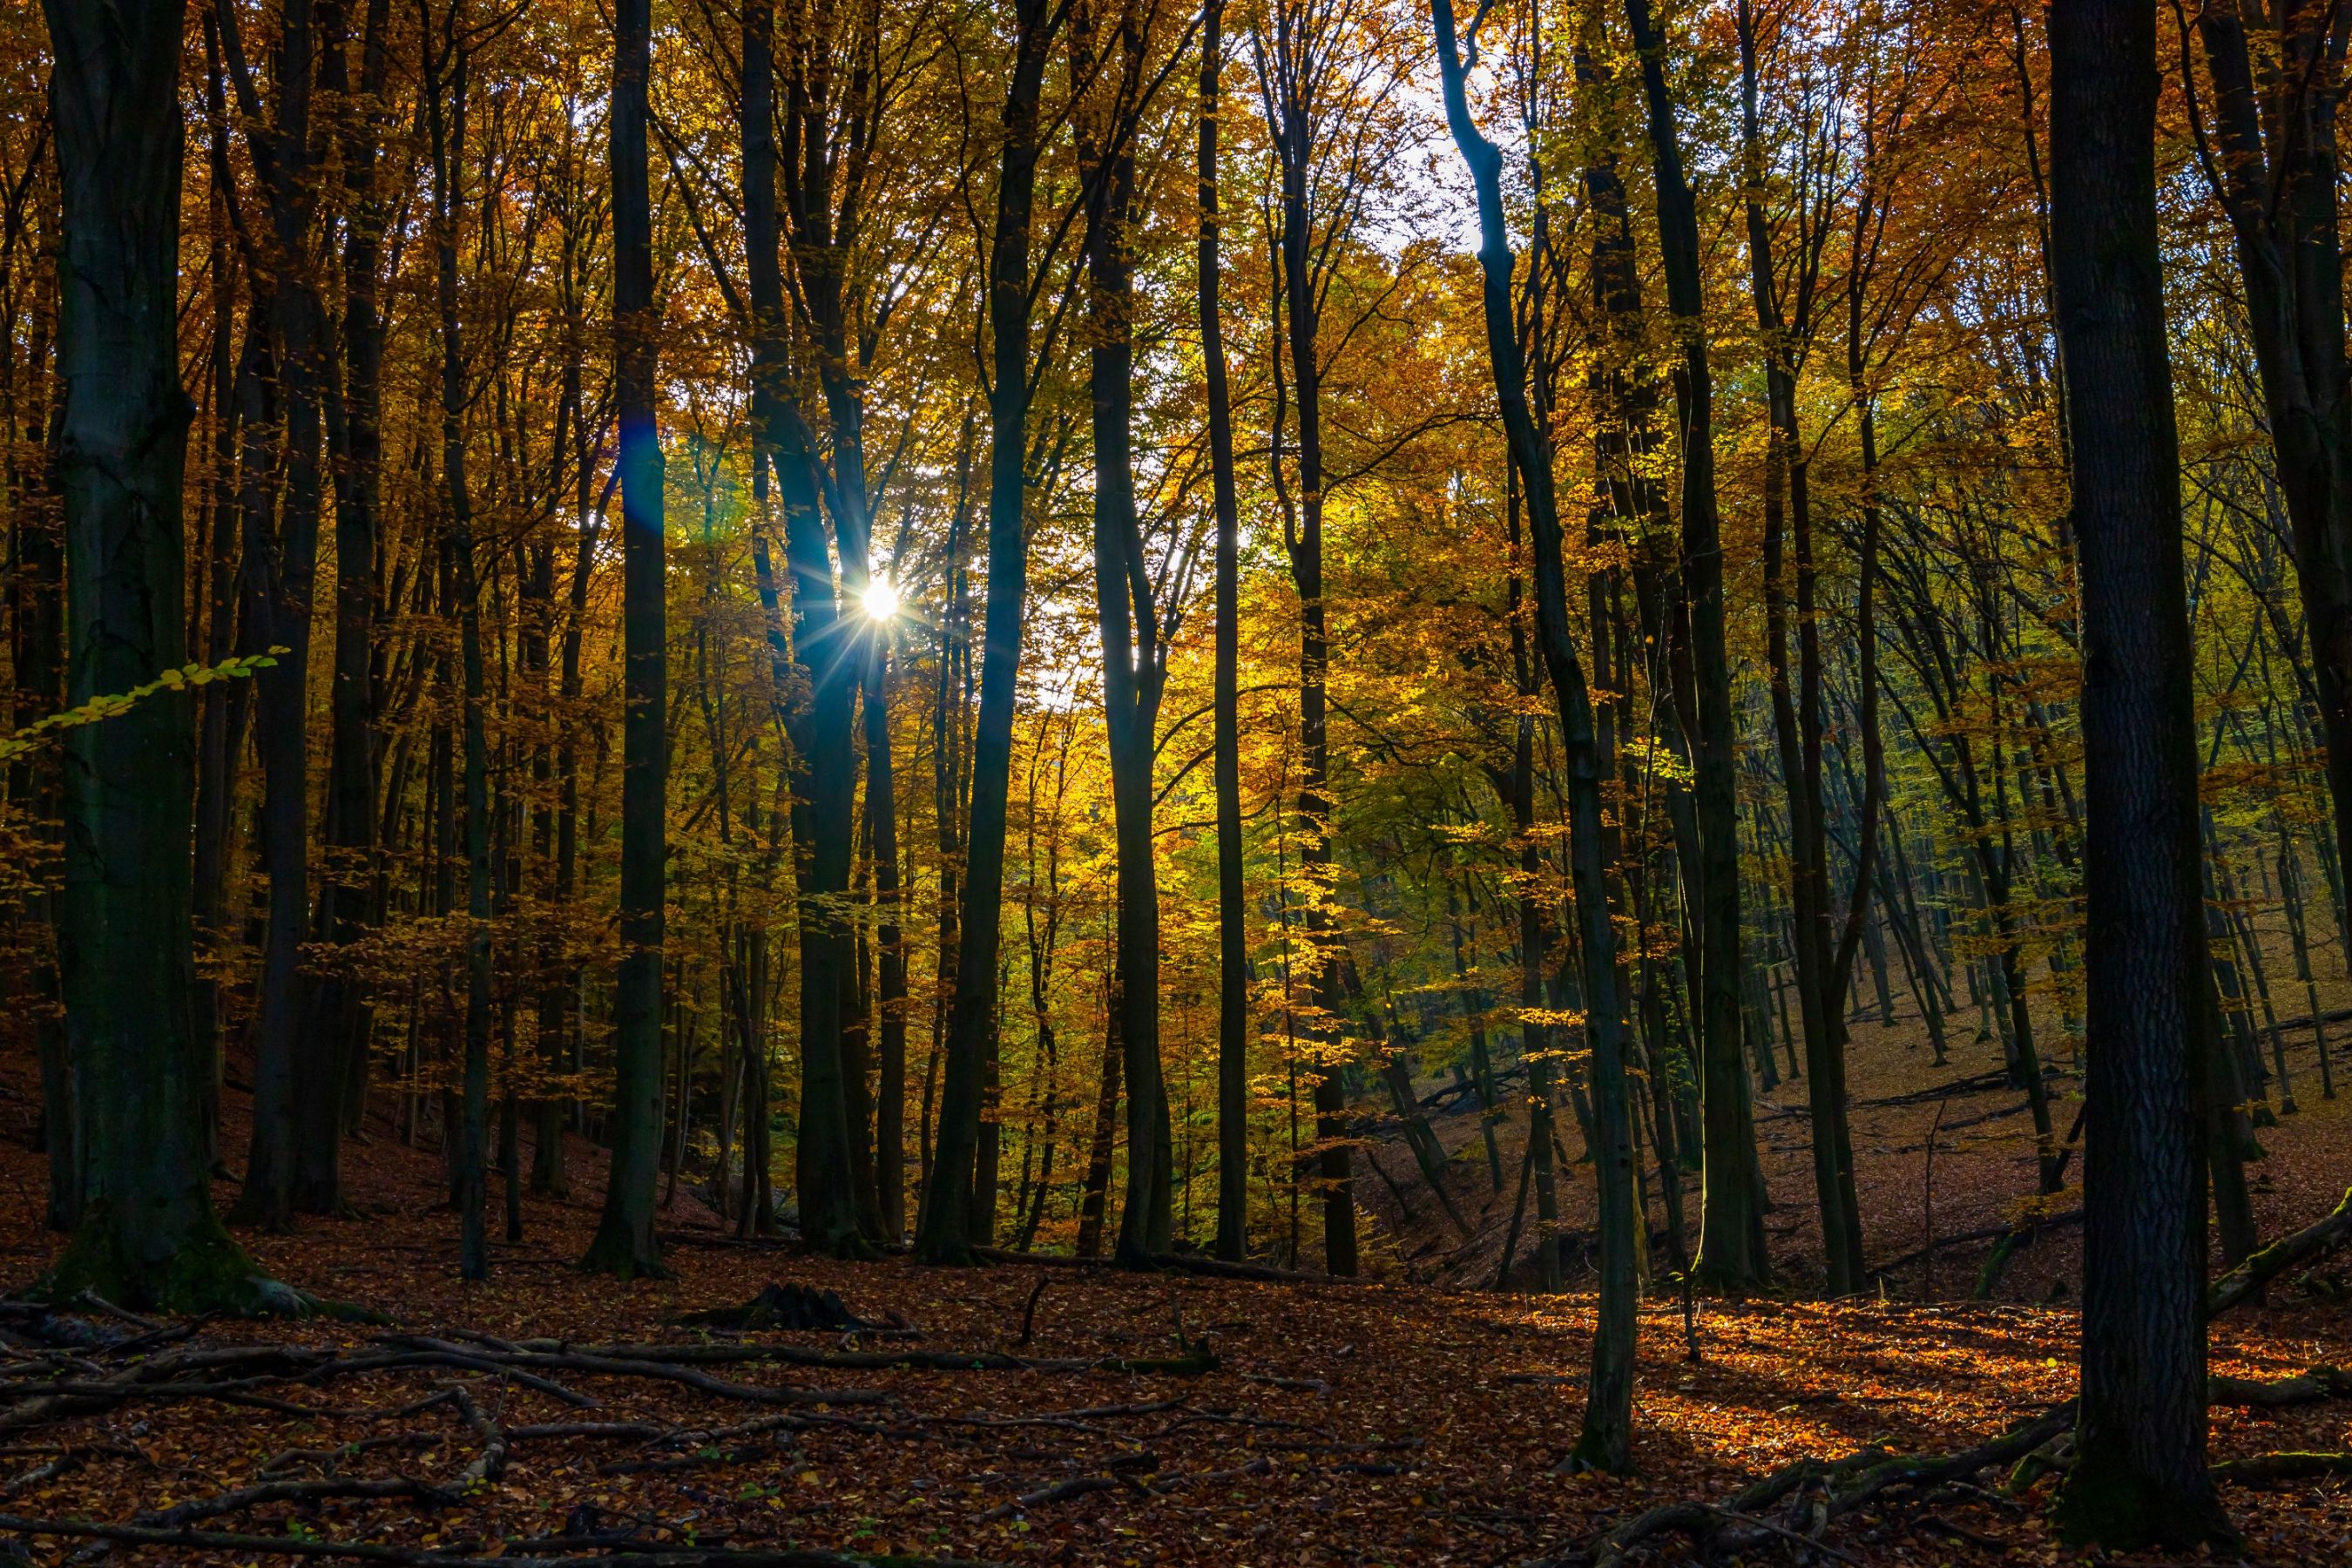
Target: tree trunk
<point>1727,1244</point>
<point>625,1244</point>
<point>942,1228</point>
<point>282,569</point>
<point>148,1236</point>
<point>889,942</point>
<point>1606,1441</point>
<point>1294,131</point>
<point>2275,172</point>
<point>1127,620</point>
<point>346,890</point>
<point>1233,938</point>
<point>445,110</point>
<point>2141,1479</point>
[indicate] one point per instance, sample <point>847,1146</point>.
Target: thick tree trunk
<point>2139,1479</point>
<point>624,1243</point>
<point>147,1236</point>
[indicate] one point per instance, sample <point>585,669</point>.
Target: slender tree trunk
<point>624,1243</point>
<point>2275,162</point>
<point>2139,1479</point>
<point>1233,938</point>
<point>1294,131</point>
<point>1606,1441</point>
<point>1128,622</point>
<point>942,1228</point>
<point>559,1009</point>
<point>347,886</point>
<point>1094,1189</point>
<point>1727,1244</point>
<point>282,569</point>
<point>445,72</point>
<point>1797,716</point>
<point>225,704</point>
<point>889,940</point>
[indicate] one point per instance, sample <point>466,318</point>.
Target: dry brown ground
<point>1390,1423</point>
<point>1411,1426</point>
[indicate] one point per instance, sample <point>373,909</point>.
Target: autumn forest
<point>828,782</point>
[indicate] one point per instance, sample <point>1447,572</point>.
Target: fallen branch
<point>491,1462</point>
<point>1962,1238</point>
<point>326,1459</point>
<point>1837,1487</point>
<point>2248,1279</point>
<point>268,1492</point>
<point>1295,1385</point>
<point>2282,1468</point>
<point>663,1364</point>
<point>629,1359</point>
<point>2321,1382</point>
<point>606,1553</point>
<point>1983,1083</point>
<point>1181,1262</point>
<point>1060,1492</point>
<point>1261,1466</point>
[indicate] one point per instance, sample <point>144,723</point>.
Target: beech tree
<point>146,1235</point>
<point>2141,1479</point>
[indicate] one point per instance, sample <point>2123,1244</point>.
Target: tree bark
<point>625,1244</point>
<point>445,72</point>
<point>942,1230</point>
<point>281,563</point>
<point>147,1236</point>
<point>1233,939</point>
<point>355,410</point>
<point>2140,1478</point>
<point>2273,166</point>
<point>1606,1440</point>
<point>1134,651</point>
<point>1729,1135</point>
<point>1299,70</point>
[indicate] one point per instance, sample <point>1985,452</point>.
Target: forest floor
<point>1979,1181</point>
<point>1391,1422</point>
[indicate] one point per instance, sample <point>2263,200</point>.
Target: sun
<point>881,600</point>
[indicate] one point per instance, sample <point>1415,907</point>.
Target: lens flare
<point>881,599</point>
